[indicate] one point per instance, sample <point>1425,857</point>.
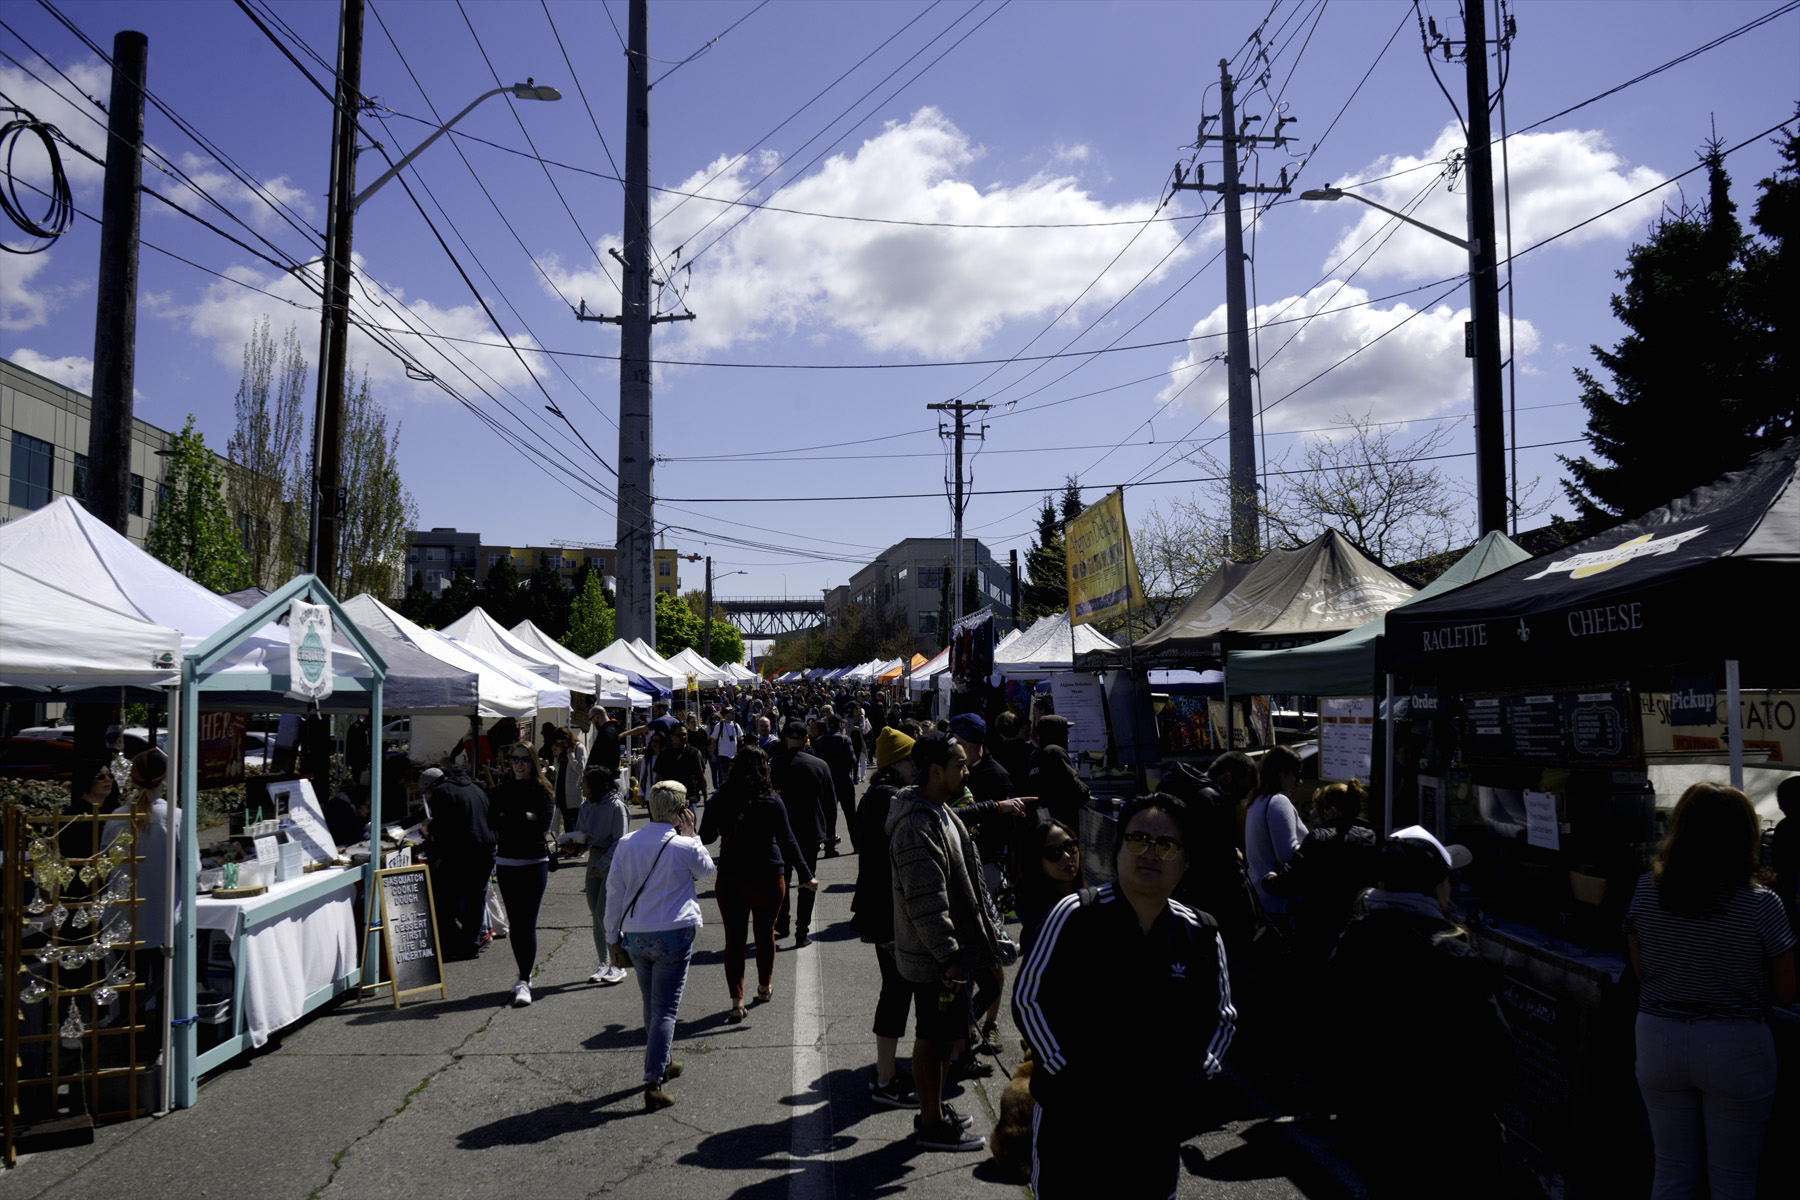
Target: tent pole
<point>1387,770</point>
<point>173,768</point>
<point>180,1048</point>
<point>372,963</point>
<point>1734,723</point>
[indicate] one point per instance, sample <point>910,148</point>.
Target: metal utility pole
<point>115,307</point>
<point>1484,282</point>
<point>334,321</point>
<point>1232,134</point>
<point>958,410</point>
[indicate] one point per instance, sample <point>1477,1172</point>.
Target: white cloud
<point>1559,179</point>
<point>1416,371</point>
<point>72,372</point>
<point>53,103</point>
<point>226,313</point>
<point>259,202</point>
<point>895,288</point>
<point>22,306</point>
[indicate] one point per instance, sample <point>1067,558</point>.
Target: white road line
<point>810,1146</point>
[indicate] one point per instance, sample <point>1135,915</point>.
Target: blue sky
<point>1007,161</point>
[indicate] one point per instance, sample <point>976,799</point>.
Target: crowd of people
<point>1232,909</point>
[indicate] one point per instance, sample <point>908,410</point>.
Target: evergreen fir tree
<point>417,604</point>
<point>461,596</point>
<point>1046,589</point>
<point>1696,383</point>
<point>500,594</point>
<point>547,603</point>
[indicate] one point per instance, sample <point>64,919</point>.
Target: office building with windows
<point>435,555</point>
<point>905,583</point>
<point>43,449</point>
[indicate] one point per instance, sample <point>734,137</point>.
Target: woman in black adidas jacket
<point>1126,1001</point>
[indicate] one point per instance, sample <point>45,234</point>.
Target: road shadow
<point>543,1124</point>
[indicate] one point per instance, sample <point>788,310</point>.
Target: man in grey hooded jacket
<point>943,934</point>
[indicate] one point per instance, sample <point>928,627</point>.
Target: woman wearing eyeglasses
<point>521,809</point>
<point>1046,867</point>
<point>1126,1001</point>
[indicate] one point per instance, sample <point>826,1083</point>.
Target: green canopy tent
<point>1345,665</point>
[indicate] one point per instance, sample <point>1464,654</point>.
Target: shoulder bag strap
<point>646,880</point>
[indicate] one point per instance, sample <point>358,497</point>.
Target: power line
<point>702,51</point>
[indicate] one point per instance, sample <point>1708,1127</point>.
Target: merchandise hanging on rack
<point>972,648</point>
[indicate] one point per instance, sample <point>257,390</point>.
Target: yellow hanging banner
<point>1103,575</point>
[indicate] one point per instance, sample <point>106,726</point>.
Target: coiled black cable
<point>60,214</point>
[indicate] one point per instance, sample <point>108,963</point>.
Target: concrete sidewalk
<point>470,1097</point>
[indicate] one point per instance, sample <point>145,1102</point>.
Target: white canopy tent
<point>624,656</point>
<point>475,628</point>
<point>922,676</point>
<point>694,663</point>
<point>67,548</point>
<point>610,687</point>
<point>500,694</point>
<point>1048,647</point>
<point>38,648</point>
<point>648,653</point>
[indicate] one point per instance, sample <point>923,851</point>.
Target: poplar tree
<point>590,617</point>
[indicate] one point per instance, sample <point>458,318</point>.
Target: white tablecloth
<point>290,957</point>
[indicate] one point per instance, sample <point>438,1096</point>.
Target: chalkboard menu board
<point>1535,1102</point>
<point>409,939</point>
<point>1592,723</point>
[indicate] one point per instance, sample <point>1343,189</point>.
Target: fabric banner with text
<point>1103,575</point>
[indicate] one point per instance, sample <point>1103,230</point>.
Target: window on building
<point>901,573</point>
<point>135,497</point>
<point>662,568</point>
<point>79,491</point>
<point>931,577</point>
<point>162,496</point>
<point>599,564</point>
<point>928,622</point>
<point>32,459</point>
<point>434,554</point>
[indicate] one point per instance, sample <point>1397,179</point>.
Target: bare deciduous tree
<point>266,450</point>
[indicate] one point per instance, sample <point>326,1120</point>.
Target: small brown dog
<point>1010,1143</point>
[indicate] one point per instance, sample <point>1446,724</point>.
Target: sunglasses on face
<point>1166,847</point>
<point>1060,851</point>
<point>522,758</point>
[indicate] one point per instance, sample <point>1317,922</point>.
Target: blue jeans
<point>661,960</point>
<point>1711,1079</point>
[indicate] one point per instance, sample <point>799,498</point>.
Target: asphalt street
<point>471,1097</point>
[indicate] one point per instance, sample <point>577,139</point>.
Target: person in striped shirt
<point>1125,1000</point>
<point>1711,949</point>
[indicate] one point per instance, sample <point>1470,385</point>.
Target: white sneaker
<point>599,975</point>
<point>610,975</point>
<point>521,994</point>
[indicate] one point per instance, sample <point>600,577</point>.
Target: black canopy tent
<point>1702,580</point>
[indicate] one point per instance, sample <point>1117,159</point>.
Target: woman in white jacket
<point>652,915</point>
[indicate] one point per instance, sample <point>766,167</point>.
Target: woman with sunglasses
<point>521,809</point>
<point>1125,948</point>
<point>1047,866</point>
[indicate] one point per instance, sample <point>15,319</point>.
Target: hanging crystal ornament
<point>81,919</point>
<point>104,994</point>
<point>73,1026</point>
<point>47,955</point>
<point>87,873</point>
<point>65,875</point>
<point>58,916</point>
<point>97,911</point>
<point>40,847</point>
<point>37,907</point>
<point>33,991</point>
<point>121,975</point>
<point>72,959</point>
<point>121,772</point>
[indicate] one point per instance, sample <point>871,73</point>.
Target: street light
<point>706,638</point>
<point>1490,444</point>
<point>334,320</point>
<point>1331,193</point>
<point>520,91</point>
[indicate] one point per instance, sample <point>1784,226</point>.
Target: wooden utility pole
<point>115,308</point>
<point>1484,282</point>
<point>958,411</point>
<point>1245,544</point>
<point>115,349</point>
<point>334,321</point>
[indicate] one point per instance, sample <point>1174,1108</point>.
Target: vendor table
<point>293,948</point>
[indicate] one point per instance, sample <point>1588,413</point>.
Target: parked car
<point>36,758</point>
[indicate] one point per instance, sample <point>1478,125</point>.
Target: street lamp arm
<point>522,91</point>
<point>1340,194</point>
